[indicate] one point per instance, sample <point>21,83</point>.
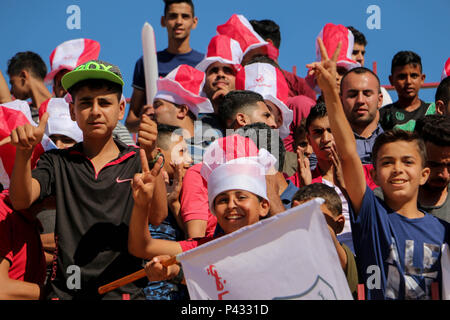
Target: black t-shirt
<point>93,213</point>
<point>393,116</point>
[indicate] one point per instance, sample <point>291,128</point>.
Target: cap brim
<point>76,76</point>
<point>286,113</point>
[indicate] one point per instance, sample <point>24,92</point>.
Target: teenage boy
<point>26,71</point>
<point>179,19</point>
<point>90,182</point>
<point>396,243</point>
<point>407,78</point>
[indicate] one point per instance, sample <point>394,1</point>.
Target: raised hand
<point>148,132</point>
<point>325,70</point>
<point>26,137</point>
<point>303,168</point>
<point>143,184</point>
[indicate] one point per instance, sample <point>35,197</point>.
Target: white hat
<point>69,54</point>
<point>59,121</point>
<point>240,29</point>
<point>183,85</point>
<point>269,82</point>
<point>446,71</point>
<point>234,162</point>
<point>222,49</point>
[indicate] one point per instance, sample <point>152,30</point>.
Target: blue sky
<point>417,25</point>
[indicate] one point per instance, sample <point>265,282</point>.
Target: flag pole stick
<point>132,277</point>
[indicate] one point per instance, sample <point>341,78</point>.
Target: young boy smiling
<point>394,236</point>
<point>237,196</point>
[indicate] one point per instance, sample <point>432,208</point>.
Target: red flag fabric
<point>12,115</point>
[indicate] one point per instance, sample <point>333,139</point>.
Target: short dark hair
<point>316,112</point>
<point>235,101</point>
<point>268,29</point>
<point>320,190</point>
<point>28,60</point>
<point>361,70</point>
<point>168,3</point>
<point>403,58</point>
<point>96,84</point>
<point>443,91</point>
<point>395,135</point>
<point>165,132</point>
<point>434,128</point>
<point>358,36</point>
<point>264,137</point>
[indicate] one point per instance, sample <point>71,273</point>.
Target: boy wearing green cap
<point>91,185</point>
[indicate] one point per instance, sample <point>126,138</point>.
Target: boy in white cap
<point>221,63</point>
<point>237,195</point>
<point>178,103</point>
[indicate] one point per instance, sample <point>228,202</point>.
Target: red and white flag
<point>288,256</point>
<point>13,114</point>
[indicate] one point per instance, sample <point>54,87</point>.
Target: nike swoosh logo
<point>124,180</point>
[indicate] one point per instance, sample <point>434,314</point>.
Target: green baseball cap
<point>93,69</point>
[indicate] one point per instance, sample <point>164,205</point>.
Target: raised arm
<point>147,140</point>
<point>325,74</point>
<point>140,242</point>
<point>24,189</point>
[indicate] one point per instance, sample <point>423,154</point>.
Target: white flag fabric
<point>288,256</point>
<point>445,265</point>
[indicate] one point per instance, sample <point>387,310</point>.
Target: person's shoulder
<point>197,54</point>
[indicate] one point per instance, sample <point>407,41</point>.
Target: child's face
<point>336,223</point>
<point>96,112</point>
<point>399,172</point>
<point>235,209</point>
<point>407,80</point>
<point>177,153</point>
<point>62,141</point>
<point>321,138</point>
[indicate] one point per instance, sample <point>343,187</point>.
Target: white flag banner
<point>288,256</point>
<point>445,266</point>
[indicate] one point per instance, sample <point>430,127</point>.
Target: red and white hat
<point>269,82</point>
<point>183,85</point>
<point>222,49</point>
<point>59,121</point>
<point>446,71</point>
<point>234,162</point>
<point>13,114</point>
<point>70,54</point>
<point>331,34</point>
<point>240,29</point>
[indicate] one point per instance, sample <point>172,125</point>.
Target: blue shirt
<point>398,257</point>
<point>166,63</point>
<point>288,193</point>
<point>364,145</point>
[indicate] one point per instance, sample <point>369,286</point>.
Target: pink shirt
<point>194,199</point>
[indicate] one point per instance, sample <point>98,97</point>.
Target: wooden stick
<point>132,277</point>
